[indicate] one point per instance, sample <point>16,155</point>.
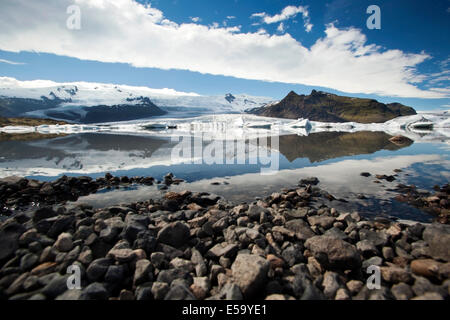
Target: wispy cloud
<point>11,62</point>
<point>196,19</point>
<point>341,59</point>
<point>286,13</point>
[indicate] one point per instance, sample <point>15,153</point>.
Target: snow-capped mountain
<point>72,101</point>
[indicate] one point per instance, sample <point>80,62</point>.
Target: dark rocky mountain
<point>327,107</point>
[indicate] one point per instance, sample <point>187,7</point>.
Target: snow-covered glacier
<point>74,97</point>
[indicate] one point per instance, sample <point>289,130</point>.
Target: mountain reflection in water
<point>329,145</point>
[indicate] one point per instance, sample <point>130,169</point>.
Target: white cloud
<point>286,13</point>
<point>11,62</point>
<point>231,17</point>
<point>196,19</point>
<point>281,27</point>
<point>125,31</point>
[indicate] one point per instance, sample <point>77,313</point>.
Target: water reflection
<point>328,145</point>
<point>94,153</point>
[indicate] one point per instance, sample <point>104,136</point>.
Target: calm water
<point>336,158</point>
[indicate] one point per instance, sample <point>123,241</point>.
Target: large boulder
<point>250,273</point>
<point>438,238</point>
<point>333,252</point>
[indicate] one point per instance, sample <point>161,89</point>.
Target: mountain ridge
<point>327,107</point>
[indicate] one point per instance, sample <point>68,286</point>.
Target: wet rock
<point>250,272</point>
<point>334,253</point>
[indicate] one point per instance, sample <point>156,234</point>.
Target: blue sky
<point>258,47</point>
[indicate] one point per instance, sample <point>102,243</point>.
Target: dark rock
<point>143,272</point>
<point>160,290</point>
<point>402,291</point>
<point>175,234</point>
<point>179,292</point>
<point>115,274</point>
<point>98,268</point>
<point>43,213</point>
<point>28,261</point>
<point>56,286</point>
<point>62,224</point>
<point>293,255</point>
<point>377,238</point>
<point>144,293</point>
<point>300,228</point>
<point>94,291</point>
<point>168,276</point>
<point>9,239</point>
<point>309,181</point>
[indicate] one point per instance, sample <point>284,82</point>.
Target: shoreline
<point>187,245</point>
